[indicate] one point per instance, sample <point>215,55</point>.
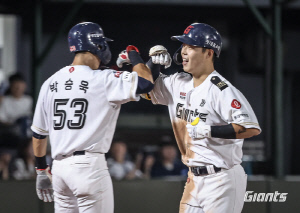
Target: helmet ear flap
<point>177,56</point>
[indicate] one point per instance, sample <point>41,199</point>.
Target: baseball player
<point>78,108</point>
<point>210,119</point>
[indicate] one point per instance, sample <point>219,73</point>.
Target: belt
<point>79,153</point>
<point>74,153</point>
<point>205,170</point>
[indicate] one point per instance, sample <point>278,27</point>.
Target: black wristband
<point>135,58</point>
<point>40,162</point>
<point>155,69</point>
<point>226,132</point>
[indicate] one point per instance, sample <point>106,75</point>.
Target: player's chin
<point>186,69</point>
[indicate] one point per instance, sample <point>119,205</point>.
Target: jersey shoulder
<point>221,86</point>
<point>219,82</point>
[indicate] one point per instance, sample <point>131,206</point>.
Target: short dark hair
<point>16,77</point>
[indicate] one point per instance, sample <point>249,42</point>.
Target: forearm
<point>242,132</point>
<point>143,71</point>
<point>233,131</point>
<point>39,146</point>
<point>139,66</point>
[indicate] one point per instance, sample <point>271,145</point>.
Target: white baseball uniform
<point>216,102</point>
<point>78,108</point>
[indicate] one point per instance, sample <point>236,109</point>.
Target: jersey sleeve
<point>39,124</point>
<point>233,107</point>
<point>121,86</point>
<point>162,91</point>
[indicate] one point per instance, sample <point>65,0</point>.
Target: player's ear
<point>210,53</point>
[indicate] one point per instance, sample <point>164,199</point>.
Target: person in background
<point>15,116</point>
<point>168,164</point>
<point>119,166</point>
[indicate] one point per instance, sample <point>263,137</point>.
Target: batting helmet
<point>202,35</point>
<point>88,36</point>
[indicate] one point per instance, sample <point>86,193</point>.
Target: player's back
<point>79,115</point>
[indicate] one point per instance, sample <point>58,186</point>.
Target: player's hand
<point>123,56</point>
<point>44,188</point>
<point>198,130</point>
<point>160,55</point>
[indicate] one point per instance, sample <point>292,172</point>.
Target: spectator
<point>15,116</point>
<point>168,164</point>
<point>118,164</point>
<point>15,104</point>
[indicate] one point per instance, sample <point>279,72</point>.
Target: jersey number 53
<point>62,114</point>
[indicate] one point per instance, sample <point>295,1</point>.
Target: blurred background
<point>259,56</point>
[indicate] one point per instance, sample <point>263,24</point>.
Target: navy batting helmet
<point>88,36</point>
<point>202,35</point>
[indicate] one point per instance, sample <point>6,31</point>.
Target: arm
<point>39,147</point>
<point>198,130</point>
<point>242,132</point>
<point>131,56</point>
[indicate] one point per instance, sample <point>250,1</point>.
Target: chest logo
<point>189,114</point>
<point>236,104</point>
<point>182,95</point>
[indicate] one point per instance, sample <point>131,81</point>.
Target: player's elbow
<point>253,132</point>
<point>144,86</point>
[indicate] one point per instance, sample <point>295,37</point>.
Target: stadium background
<point>34,42</point>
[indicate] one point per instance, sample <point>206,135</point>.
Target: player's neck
<point>200,77</point>
<point>88,59</point>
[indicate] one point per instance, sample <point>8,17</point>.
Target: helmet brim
<point>184,39</point>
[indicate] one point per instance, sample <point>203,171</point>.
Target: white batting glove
<point>198,130</point>
<point>44,188</point>
<point>123,58</point>
<point>160,55</point>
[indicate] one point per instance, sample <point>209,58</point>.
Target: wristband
<point>135,58</point>
<point>40,162</point>
<point>226,132</point>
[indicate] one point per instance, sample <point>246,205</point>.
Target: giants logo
<point>188,114</point>
<point>188,29</point>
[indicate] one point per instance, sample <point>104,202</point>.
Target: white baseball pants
<point>222,192</point>
<point>82,184</point>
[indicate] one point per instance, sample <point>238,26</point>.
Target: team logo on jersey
<point>182,95</point>
<point>202,103</point>
<point>236,104</point>
<point>188,114</point>
<point>117,73</point>
<point>71,69</point>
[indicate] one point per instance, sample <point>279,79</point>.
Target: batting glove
<point>123,56</point>
<point>160,55</point>
<point>197,130</point>
<point>44,188</point>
